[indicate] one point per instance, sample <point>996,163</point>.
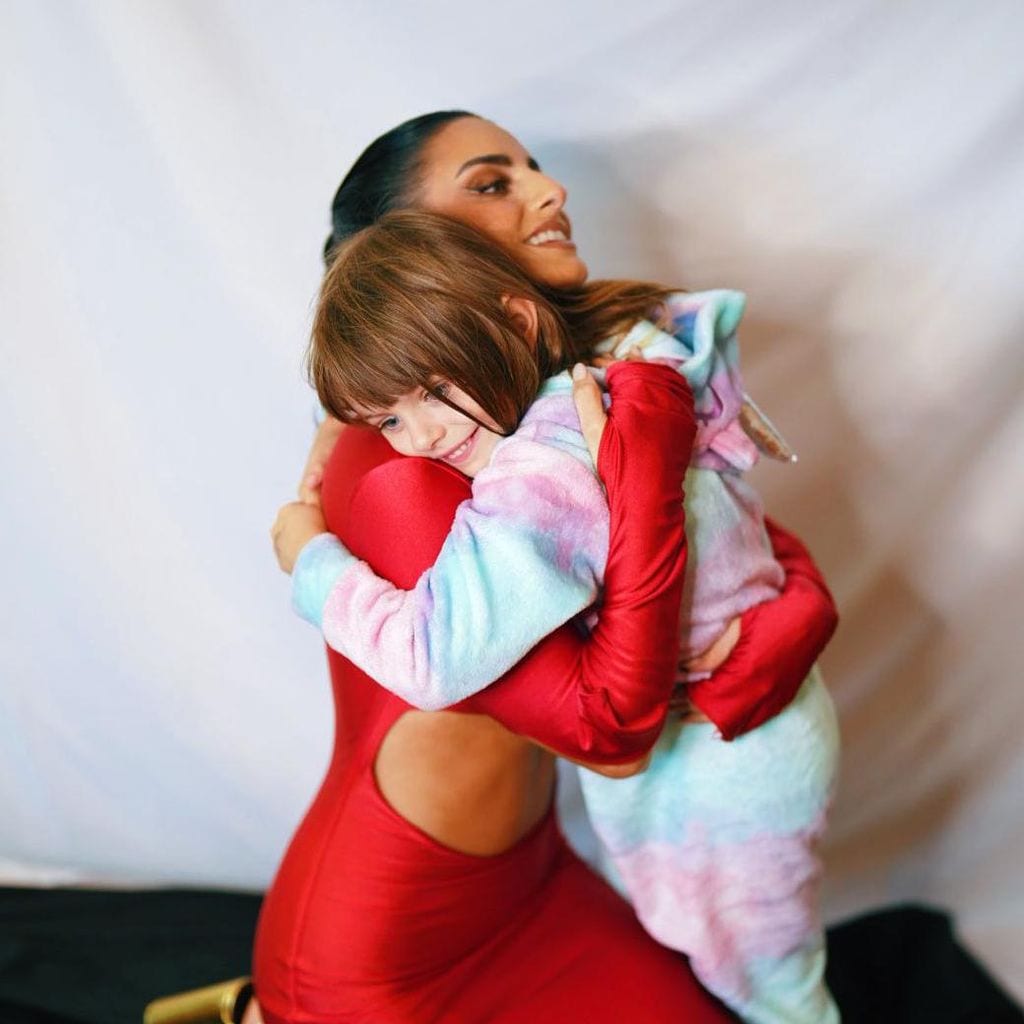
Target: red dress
<point>369,918</point>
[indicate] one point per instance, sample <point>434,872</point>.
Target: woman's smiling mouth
<point>555,230</point>
<point>547,236</point>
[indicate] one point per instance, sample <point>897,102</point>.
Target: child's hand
<point>313,473</point>
<point>587,395</point>
<point>635,354</point>
<point>297,523</point>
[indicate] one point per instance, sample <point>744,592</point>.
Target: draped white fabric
<point>165,172</point>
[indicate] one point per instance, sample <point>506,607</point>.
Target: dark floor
<point>72,956</point>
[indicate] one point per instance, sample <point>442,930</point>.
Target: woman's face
<point>478,174</point>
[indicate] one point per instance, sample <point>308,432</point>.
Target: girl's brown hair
<point>417,298</point>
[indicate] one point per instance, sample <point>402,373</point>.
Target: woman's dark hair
<point>383,177</point>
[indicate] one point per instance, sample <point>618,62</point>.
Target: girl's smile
<point>463,451</point>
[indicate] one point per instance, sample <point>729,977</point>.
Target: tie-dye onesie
<point>714,844</point>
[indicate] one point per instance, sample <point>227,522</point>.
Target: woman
<point>428,881</point>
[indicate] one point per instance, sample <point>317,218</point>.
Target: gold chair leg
<point>223,1003</point>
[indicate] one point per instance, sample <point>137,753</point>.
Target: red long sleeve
<point>603,698</point>
<point>779,642</point>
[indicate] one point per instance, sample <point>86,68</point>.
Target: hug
<point>525,533</point>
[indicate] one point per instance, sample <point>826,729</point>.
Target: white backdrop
<point>165,175</point>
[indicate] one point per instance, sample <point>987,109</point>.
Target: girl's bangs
<point>375,376</point>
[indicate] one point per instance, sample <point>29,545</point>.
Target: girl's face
<point>478,174</point>
<point>419,423</point>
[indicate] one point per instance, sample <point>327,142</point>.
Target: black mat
<point>71,956</point>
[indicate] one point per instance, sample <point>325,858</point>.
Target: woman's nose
<point>550,194</point>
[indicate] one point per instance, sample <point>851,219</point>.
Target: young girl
<point>430,334</point>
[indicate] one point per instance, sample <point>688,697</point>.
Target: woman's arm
<point>600,698</point>
<point>779,642</point>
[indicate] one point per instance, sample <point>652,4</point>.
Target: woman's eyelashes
<point>389,424</point>
<point>492,187</point>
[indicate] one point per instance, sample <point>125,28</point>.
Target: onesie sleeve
<point>600,698</point>
<point>779,642</point>
<point>525,553</point>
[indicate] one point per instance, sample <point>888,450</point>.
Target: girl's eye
<point>495,187</point>
<point>385,425</point>
<point>437,391</point>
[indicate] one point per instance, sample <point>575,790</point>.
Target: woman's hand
<point>313,472</point>
<point>297,523</point>
<point>717,653</point>
<point>707,661</point>
<point>779,643</point>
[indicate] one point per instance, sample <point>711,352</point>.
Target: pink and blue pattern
<point>715,847</point>
<point>525,554</point>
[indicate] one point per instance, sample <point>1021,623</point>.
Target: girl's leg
<point>716,847</point>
